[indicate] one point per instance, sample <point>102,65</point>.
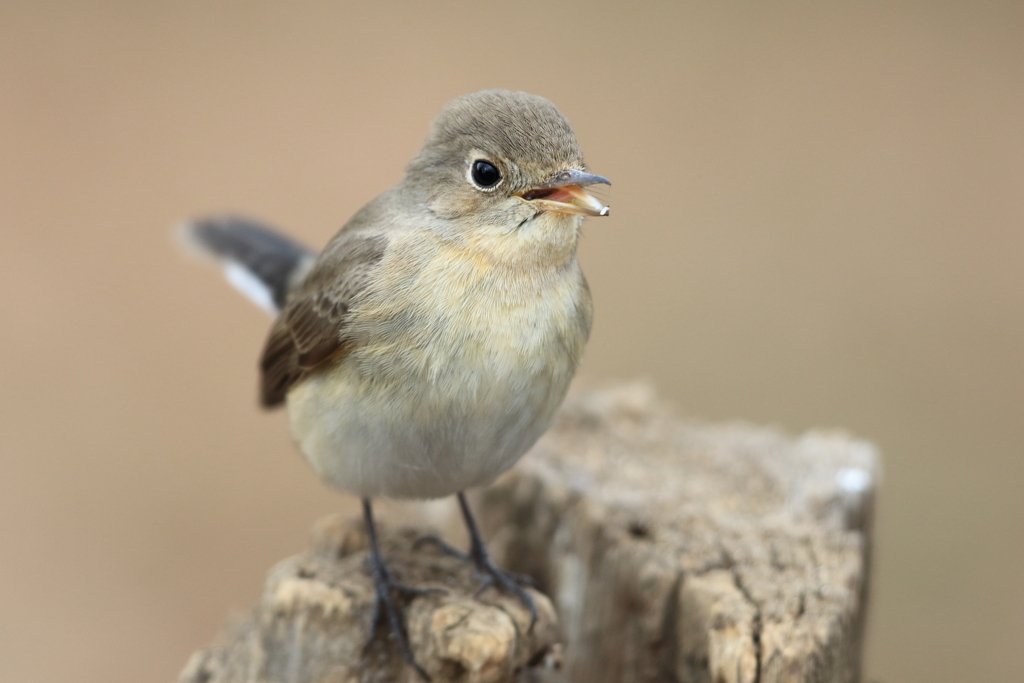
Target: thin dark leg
<point>490,573</point>
<point>494,575</point>
<point>474,534</point>
<point>385,603</point>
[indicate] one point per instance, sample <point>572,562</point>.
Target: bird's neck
<point>547,242</point>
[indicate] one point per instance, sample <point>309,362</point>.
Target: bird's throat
<point>548,240</point>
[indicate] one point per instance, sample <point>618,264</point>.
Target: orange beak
<point>565,194</point>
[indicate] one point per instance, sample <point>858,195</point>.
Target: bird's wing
<point>311,328</point>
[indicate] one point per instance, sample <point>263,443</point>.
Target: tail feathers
<point>258,261</point>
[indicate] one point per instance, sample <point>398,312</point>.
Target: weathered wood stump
<point>313,622</point>
<point>688,552</point>
<point>673,551</point>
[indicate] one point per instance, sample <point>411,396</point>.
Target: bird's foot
<point>441,545</point>
<point>489,573</point>
<point>385,606</point>
<point>492,575</point>
<point>486,574</point>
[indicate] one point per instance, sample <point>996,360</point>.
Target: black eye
<point>485,174</point>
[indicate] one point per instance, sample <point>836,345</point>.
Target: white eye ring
<point>484,174</point>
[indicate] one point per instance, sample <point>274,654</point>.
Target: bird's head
<point>504,162</point>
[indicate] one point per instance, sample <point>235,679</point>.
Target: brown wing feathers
<point>311,327</point>
<point>279,367</point>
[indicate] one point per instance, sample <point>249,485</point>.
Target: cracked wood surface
<point>314,620</point>
<point>680,551</point>
<point>672,550</point>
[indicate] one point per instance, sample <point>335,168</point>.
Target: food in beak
<point>572,199</point>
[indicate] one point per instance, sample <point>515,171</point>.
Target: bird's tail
<point>258,261</point>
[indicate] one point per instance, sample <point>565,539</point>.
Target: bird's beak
<point>565,194</point>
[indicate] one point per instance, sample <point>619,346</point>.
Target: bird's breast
<point>455,369</point>
<point>459,326</point>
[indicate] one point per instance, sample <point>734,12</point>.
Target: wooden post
<point>672,551</point>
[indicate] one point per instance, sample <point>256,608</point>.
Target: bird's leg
<point>490,573</point>
<point>385,603</point>
<point>478,553</point>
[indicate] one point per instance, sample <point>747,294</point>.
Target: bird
<point>428,346</point>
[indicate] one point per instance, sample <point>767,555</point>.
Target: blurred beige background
<point>818,221</point>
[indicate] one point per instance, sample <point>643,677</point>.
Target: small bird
<point>428,346</point>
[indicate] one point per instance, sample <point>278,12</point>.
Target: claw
<point>441,545</point>
<point>490,573</point>
<point>508,582</point>
<point>491,576</point>
<point>485,582</point>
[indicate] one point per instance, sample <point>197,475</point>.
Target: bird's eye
<point>485,174</point>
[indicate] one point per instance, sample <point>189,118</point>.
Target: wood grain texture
<point>672,551</point>
<point>314,619</point>
<point>678,551</point>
